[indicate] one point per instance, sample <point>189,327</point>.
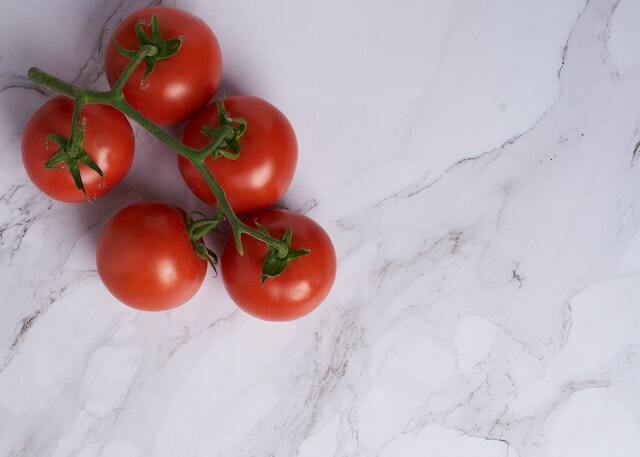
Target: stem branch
<point>237,226</point>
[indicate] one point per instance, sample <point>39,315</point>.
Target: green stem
<point>145,51</point>
<point>43,78</point>
<point>77,129</point>
<point>132,113</point>
<point>222,134</point>
<point>115,99</point>
<point>237,226</point>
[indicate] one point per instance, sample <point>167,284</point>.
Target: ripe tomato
<point>179,85</point>
<point>300,288</point>
<point>268,155</point>
<point>108,140</point>
<point>146,260</point>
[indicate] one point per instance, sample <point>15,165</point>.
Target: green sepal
<point>201,228</point>
<point>226,119</point>
<point>56,159</point>
<point>237,237</point>
<point>140,35</point>
<point>57,139</point>
<point>88,161</point>
<point>274,265</point>
<point>225,138</point>
<point>63,155</point>
<point>207,254</point>
<point>197,229</point>
<point>261,228</point>
<point>130,53</point>
<point>166,48</point>
<point>74,168</point>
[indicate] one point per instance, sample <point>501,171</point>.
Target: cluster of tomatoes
<point>145,256</point>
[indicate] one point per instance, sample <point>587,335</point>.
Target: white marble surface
<point>476,164</point>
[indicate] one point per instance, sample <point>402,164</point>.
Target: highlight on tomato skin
<point>300,288</point>
<point>146,260</point>
<point>262,173</point>
<point>108,140</point>
<point>178,86</point>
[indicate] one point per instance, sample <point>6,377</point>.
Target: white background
<point>474,164</point>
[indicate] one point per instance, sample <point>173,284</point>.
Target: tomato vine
<point>224,142</point>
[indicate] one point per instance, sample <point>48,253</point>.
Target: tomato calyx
<point>273,264</point>
<point>166,48</point>
<point>71,155</point>
<point>225,138</point>
<point>197,229</point>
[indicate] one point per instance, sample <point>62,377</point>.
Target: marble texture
<point>477,166</point>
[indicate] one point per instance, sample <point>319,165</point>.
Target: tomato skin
<point>108,140</point>
<point>268,155</point>
<point>303,285</point>
<point>178,86</point>
<point>146,260</point>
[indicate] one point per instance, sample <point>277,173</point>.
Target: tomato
<point>108,140</point>
<point>268,155</point>
<point>179,85</point>
<point>300,288</point>
<point>146,260</point>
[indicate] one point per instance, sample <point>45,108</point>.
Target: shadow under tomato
<point>92,217</point>
<point>227,89</point>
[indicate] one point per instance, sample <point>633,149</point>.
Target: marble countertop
<point>477,165</point>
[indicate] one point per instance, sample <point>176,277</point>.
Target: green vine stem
<point>115,98</point>
<point>77,130</point>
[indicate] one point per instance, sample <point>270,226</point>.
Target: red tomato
<point>268,155</point>
<point>303,285</point>
<point>108,140</point>
<point>146,260</point>
<point>179,85</point>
